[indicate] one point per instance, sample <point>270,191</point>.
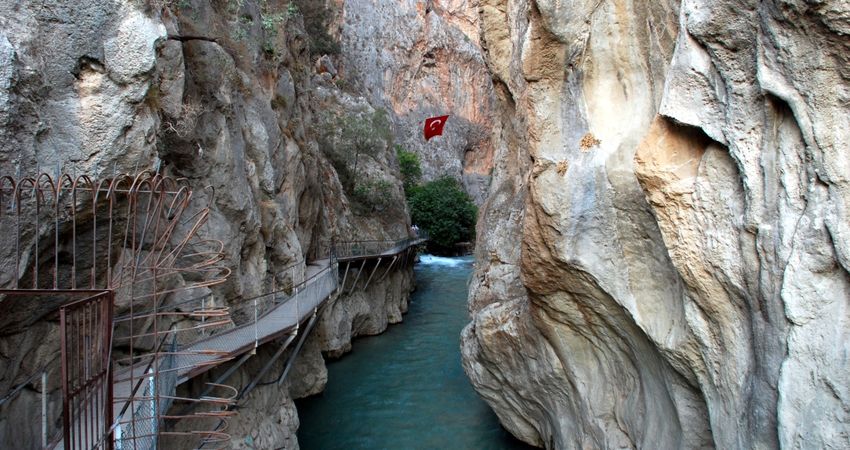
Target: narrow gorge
<point>661,252</point>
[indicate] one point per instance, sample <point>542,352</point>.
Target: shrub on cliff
<point>318,16</point>
<point>374,195</point>
<point>349,137</point>
<point>445,211</point>
<point>409,166</point>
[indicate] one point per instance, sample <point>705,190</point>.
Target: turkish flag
<point>434,126</point>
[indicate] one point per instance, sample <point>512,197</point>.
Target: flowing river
<point>406,389</point>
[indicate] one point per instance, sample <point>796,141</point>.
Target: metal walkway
<point>289,311</point>
<point>321,281</point>
<point>133,241</point>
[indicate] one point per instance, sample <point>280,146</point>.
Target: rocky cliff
<point>422,58</point>
<point>268,418</point>
<point>226,94</point>
<point>677,177</point>
<point>673,172</point>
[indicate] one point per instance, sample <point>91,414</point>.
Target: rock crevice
<point>679,218</point>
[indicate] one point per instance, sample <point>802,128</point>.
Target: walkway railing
<point>287,312</point>
<point>370,248</point>
<point>150,406</point>
<point>146,388</point>
<point>250,309</point>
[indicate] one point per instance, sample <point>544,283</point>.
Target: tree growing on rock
<point>348,137</point>
<point>410,168</point>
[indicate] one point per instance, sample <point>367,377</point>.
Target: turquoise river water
<point>406,389</point>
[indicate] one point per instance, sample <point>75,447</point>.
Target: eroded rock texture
<point>422,58</point>
<point>221,92</point>
<point>680,191</point>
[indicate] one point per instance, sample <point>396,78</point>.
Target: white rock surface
<point>682,280</point>
<point>201,90</point>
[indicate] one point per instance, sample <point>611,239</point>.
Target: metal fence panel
<point>86,339</point>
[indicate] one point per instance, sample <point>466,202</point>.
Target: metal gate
<point>86,335</point>
<point>131,237</point>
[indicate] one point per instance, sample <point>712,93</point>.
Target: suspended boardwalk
<point>321,283</point>
<point>133,240</point>
<point>322,280</point>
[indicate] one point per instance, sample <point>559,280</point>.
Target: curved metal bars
<point>87,223</point>
<point>135,235</point>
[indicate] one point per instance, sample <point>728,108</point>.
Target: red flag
<point>434,126</point>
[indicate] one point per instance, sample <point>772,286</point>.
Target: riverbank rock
<point>680,195</point>
<point>268,417</point>
<point>364,313</point>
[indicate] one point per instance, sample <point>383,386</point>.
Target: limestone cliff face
<point>680,193</point>
<point>422,58</point>
<point>223,93</point>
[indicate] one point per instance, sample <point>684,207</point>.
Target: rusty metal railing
<point>138,240</point>
<point>137,237</point>
<point>86,332</point>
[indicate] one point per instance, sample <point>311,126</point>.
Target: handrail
<point>274,304</point>
<point>308,293</point>
<point>336,250</point>
<point>373,248</point>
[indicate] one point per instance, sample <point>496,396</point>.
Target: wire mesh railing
<point>252,308</point>
<point>287,311</point>
<point>359,249</point>
<point>309,296</point>
<point>139,238</point>
<point>139,429</point>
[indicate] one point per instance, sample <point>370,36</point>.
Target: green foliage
<point>240,31</point>
<point>347,138</point>
<point>317,18</point>
<point>344,85</point>
<point>291,10</point>
<point>411,170</point>
<point>238,34</point>
<point>272,21</point>
<point>445,211</point>
<point>374,195</point>
<point>233,6</point>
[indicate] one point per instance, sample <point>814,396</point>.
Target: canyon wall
<point>418,59</point>
<point>676,173</point>
<point>224,93</point>
<point>673,172</point>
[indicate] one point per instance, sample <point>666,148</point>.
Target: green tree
<point>318,17</point>
<point>374,195</point>
<point>445,211</point>
<point>365,135</point>
<point>347,137</point>
<point>411,170</point>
